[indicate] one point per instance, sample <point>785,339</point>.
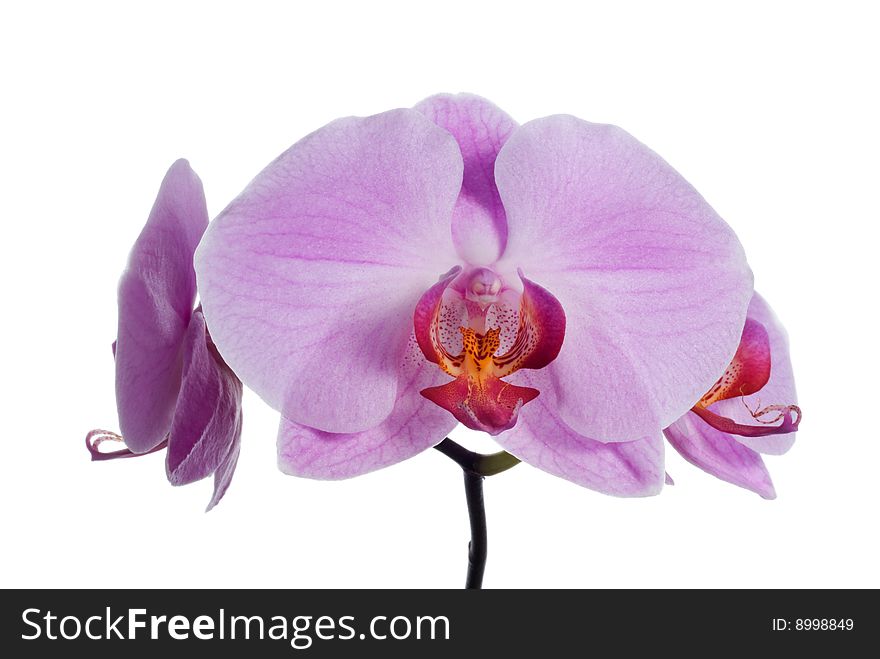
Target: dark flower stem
<point>476,466</point>
<point>477,549</point>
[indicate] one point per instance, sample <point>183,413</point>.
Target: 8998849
<point>813,624</point>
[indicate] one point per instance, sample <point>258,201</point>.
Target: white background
<point>769,109</point>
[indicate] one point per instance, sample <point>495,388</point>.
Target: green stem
<point>478,463</point>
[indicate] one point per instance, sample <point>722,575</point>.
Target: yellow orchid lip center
<point>479,349</point>
<point>475,359</point>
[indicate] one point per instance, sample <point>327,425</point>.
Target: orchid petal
<point>624,469</point>
<point>718,453</point>
<point>779,389</point>
<point>309,278</point>
<point>479,225</point>
<point>654,284</point>
<point>223,475</point>
<point>415,424</point>
<point>207,419</point>
<point>156,296</point>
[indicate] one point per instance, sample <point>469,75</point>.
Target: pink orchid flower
<point>172,387</point>
<point>752,409</point>
<point>557,285</point>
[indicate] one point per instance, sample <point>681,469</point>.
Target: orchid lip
<point>97,437</point>
<point>747,374</point>
<point>479,329</point>
<point>789,415</point>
